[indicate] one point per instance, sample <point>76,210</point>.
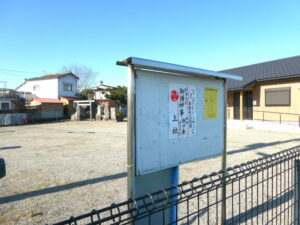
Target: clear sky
<point>41,36</point>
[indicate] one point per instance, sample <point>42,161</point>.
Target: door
<point>236,105</point>
<point>248,105</point>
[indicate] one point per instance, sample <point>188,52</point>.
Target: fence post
<point>297,193</point>
<point>280,118</point>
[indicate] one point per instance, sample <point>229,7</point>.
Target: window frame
<point>5,102</point>
<point>281,89</point>
<point>66,85</point>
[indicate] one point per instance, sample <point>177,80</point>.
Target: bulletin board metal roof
<point>174,68</point>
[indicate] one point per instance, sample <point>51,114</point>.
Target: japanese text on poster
<point>182,105</point>
<point>210,103</point>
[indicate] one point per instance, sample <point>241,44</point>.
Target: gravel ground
<point>57,170</point>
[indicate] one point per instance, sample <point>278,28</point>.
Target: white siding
<point>69,80</point>
<point>47,88</point>
<point>100,96</point>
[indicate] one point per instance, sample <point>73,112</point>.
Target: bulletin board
<point>178,119</point>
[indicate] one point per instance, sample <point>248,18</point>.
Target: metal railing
<point>280,116</point>
<point>262,191</point>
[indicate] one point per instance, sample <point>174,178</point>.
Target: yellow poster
<point>210,103</point>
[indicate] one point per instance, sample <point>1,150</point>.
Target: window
<point>67,87</point>
<point>4,106</point>
<point>278,96</point>
<point>36,87</point>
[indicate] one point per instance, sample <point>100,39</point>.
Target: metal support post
<point>224,160</point>
<point>91,111</point>
<point>131,132</point>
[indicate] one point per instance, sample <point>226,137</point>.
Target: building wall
<point>230,105</point>
<point>52,107</point>
<point>100,94</point>
<point>70,80</point>
<point>272,112</point>
<point>48,111</point>
<point>47,88</point>
<point>294,108</point>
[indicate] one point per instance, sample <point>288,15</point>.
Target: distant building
<point>51,86</point>
<point>46,108</point>
<point>10,100</point>
<point>101,91</point>
<point>269,91</point>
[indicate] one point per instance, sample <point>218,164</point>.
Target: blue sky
<point>38,37</point>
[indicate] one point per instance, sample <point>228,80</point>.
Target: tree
<point>85,93</point>
<point>119,94</point>
<point>86,75</point>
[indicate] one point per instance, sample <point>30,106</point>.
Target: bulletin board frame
<point>138,69</point>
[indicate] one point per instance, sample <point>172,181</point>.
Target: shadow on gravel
<point>49,190</point>
<point>263,154</point>
<point>253,213</point>
<point>260,145</point>
<point>10,147</point>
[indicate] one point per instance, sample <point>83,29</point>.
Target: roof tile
<point>272,69</point>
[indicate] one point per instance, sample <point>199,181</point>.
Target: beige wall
<point>230,105</point>
<point>294,108</point>
<point>259,98</point>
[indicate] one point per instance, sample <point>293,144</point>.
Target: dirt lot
<point>61,169</point>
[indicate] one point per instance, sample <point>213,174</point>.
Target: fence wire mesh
<point>262,191</point>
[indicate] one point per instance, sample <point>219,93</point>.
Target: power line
<point>12,74</point>
<point>19,71</point>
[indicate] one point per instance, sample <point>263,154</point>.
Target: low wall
<point>13,119</point>
<point>45,115</point>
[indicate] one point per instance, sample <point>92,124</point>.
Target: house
<point>68,103</point>
<point>10,100</point>
<point>100,93</point>
<point>51,86</point>
<point>269,91</point>
<point>6,104</point>
<point>47,108</point>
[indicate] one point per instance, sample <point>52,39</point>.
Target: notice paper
<point>182,116</point>
<point>210,103</point>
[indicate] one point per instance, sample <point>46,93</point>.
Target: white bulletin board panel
<point>163,142</point>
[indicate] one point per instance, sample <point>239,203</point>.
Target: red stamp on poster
<point>174,95</point>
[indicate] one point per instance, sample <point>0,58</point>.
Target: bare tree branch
<point>86,75</point>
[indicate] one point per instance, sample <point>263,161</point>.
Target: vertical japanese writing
<point>182,110</point>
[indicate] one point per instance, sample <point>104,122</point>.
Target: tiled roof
<point>281,68</point>
<point>52,76</point>
<point>71,98</point>
<point>47,100</point>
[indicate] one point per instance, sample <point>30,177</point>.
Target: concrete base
<point>266,125</point>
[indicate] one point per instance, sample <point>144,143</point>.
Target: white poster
<point>182,116</point>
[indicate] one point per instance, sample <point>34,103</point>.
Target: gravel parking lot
<point>57,170</point>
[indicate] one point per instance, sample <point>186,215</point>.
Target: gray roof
<point>52,76</point>
<point>276,69</point>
